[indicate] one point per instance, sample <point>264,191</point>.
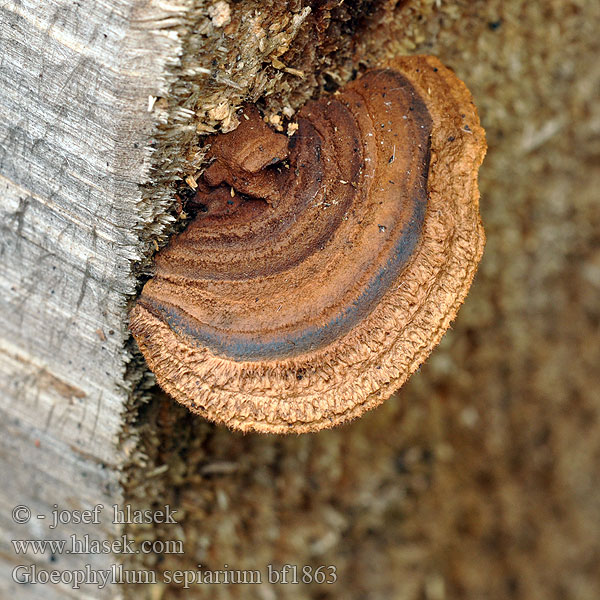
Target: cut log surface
<point>480,481</point>
<point>75,136</point>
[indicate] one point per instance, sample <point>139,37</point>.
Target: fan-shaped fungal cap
<point>324,271</point>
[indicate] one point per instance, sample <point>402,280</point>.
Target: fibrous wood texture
<point>480,480</point>
<point>75,130</point>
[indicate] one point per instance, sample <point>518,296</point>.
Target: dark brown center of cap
<point>299,241</point>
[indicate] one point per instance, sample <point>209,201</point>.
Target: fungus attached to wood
<point>322,270</point>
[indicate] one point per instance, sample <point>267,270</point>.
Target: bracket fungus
<point>325,267</point>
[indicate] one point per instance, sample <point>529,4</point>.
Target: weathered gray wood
<point>75,78</point>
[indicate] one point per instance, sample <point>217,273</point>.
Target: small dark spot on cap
<point>451,138</point>
<point>494,25</point>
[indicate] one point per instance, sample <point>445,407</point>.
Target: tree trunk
<point>477,480</point>
<point>75,131</point>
